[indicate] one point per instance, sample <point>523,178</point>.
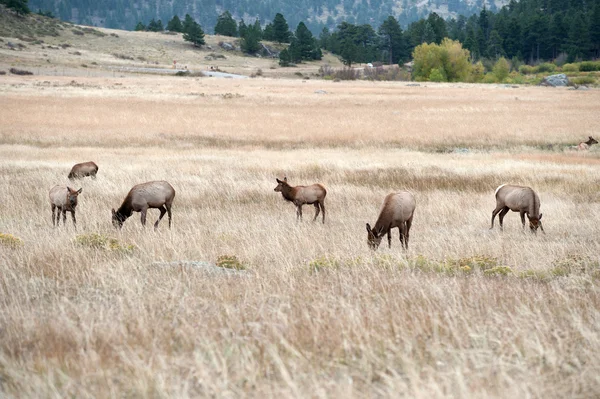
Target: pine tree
<point>284,58</point>
<point>268,33</point>
<point>594,29</point>
<point>194,34</point>
<point>281,30</point>
<point>242,28</point>
<point>140,27</point>
<point>175,25</point>
<point>226,25</point>
<point>19,6</point>
<point>188,23</point>
<point>392,40</point>
<point>305,43</point>
<point>250,42</point>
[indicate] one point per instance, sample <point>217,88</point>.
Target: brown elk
<point>300,195</point>
<point>518,199</point>
<point>585,145</point>
<point>397,210</point>
<point>83,169</point>
<point>65,199</point>
<point>141,197</point>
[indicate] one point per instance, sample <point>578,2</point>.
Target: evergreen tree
<point>428,34</point>
<point>140,27</point>
<point>392,40</point>
<point>268,33</point>
<point>250,42</point>
<point>19,6</point>
<point>175,25</point>
<point>284,58</point>
<point>305,43</point>
<point>257,28</point>
<point>226,25</point>
<point>577,43</point>
<point>242,28</point>
<point>188,23</point>
<point>439,27</point>
<point>194,34</point>
<point>281,30</point>
<point>594,29</point>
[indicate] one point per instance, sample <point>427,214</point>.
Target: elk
<point>518,199</point>
<point>65,199</point>
<point>585,145</point>
<point>397,210</point>
<point>83,169</point>
<point>300,195</point>
<point>141,197</point>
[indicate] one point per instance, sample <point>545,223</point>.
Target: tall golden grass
<point>465,312</point>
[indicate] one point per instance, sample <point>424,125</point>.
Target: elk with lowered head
<point>397,211</point>
<point>153,194</point>
<point>518,199</point>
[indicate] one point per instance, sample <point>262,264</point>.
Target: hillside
<point>315,13</point>
<point>48,46</point>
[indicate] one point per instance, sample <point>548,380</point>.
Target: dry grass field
<point>465,312</point>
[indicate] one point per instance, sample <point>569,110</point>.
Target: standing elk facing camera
<point>300,195</point>
<point>83,169</point>
<point>518,199</point>
<point>65,199</point>
<point>397,210</point>
<point>153,194</point>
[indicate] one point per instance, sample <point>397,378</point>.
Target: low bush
<point>583,80</point>
<point>326,70</point>
<point>230,262</point>
<point>546,67</point>
<point>527,69</point>
<point>570,68</point>
<point>100,241</point>
<point>347,74</point>
<point>10,241</point>
<point>381,73</point>
<point>16,71</point>
<point>589,66</point>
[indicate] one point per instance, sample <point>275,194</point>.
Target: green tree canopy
<point>226,25</point>
<point>250,42</point>
<point>448,58</point>
<point>194,34</point>
<point>175,25</point>
<point>281,30</point>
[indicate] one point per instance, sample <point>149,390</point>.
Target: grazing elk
<point>83,169</point>
<point>397,210</point>
<point>518,199</point>
<point>141,197</point>
<point>585,145</point>
<point>300,195</point>
<point>65,199</point>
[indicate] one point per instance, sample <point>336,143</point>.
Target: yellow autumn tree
<point>448,61</point>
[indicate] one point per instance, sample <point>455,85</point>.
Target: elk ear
<point>278,181</point>
<point>70,189</point>
<point>369,228</point>
<point>80,190</point>
<point>540,218</point>
<point>113,211</point>
<point>285,179</point>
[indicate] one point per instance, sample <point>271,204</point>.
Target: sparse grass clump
<point>10,241</point>
<point>230,262</point>
<point>100,241</point>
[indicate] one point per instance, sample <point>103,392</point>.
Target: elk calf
<point>518,199</point>
<point>83,169</point>
<point>65,199</point>
<point>585,145</point>
<point>153,194</point>
<point>397,211</point>
<point>300,195</point>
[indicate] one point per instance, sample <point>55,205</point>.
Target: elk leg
<point>58,212</point>
<point>408,224</point>
<point>53,212</point>
<point>323,209</point>
<point>298,212</point>
<point>389,235</point>
<point>168,206</point>
<point>494,213</point>
<point>74,219</point>
<point>317,211</point>
<point>143,217</point>
<point>522,213</point>
<point>501,217</point>
<point>162,213</point>
<point>64,213</point>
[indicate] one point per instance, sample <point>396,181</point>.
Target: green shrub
<point>589,66</point>
<point>8,240</point>
<point>574,263</point>
<point>546,67</point>
<point>516,78</point>
<point>527,69</point>
<point>323,263</point>
<point>477,72</point>
<point>498,271</point>
<point>584,80</point>
<point>437,75</point>
<point>100,241</point>
<point>501,69</point>
<point>570,68</point>
<point>489,78</point>
<point>449,58</point>
<point>230,262</point>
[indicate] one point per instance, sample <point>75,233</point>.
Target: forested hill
<point>316,14</point>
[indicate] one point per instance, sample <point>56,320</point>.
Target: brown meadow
<point>465,312</point>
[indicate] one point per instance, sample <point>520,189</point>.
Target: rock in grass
<point>555,80</point>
